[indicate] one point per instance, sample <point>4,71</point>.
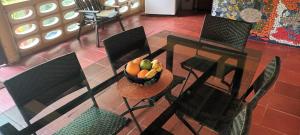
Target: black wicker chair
<point>93,12</point>
<point>209,106</point>
<point>128,45</point>
<point>237,125</point>
<point>39,87</point>
<point>221,32</point>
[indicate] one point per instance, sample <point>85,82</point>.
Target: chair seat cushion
<point>202,63</point>
<point>205,102</point>
<point>95,121</point>
<point>198,63</point>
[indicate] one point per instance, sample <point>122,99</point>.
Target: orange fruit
<point>142,73</point>
<point>132,68</point>
<point>137,61</point>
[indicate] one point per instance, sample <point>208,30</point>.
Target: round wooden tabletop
<point>135,91</point>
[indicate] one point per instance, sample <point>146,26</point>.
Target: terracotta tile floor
<point>277,113</point>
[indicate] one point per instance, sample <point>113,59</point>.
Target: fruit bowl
<point>142,81</point>
<point>144,72</point>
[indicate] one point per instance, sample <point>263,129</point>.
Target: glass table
<point>172,49</point>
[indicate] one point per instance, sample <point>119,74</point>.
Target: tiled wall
<point>36,24</point>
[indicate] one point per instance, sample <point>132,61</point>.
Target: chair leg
<point>121,24</point>
<point>180,117</point>
<point>185,82</point>
<point>228,84</point>
<point>199,129</point>
<point>97,36</point>
<point>80,27</point>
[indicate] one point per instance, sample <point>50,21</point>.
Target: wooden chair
<point>93,12</point>
<point>43,85</point>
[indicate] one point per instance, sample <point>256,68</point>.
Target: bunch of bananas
<point>156,67</point>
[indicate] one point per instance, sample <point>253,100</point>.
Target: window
<point>48,7</point>
<point>25,29</point>
<point>50,21</point>
<point>67,3</point>
<point>123,9</point>
<point>10,2</point>
<point>72,27</point>
<point>53,34</point>
<point>71,15</point>
<point>121,1</point>
<point>29,43</point>
<point>21,14</point>
<point>135,5</point>
<point>109,2</point>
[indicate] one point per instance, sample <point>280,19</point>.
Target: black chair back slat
<point>264,81</point>
<point>39,87</point>
<point>228,32</point>
<point>126,46</point>
<point>241,122</point>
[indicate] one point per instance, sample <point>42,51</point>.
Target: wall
<point>7,41</point>
<point>279,20</point>
<point>29,26</point>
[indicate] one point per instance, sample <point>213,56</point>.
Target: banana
<point>151,73</point>
<point>156,65</point>
<point>158,68</point>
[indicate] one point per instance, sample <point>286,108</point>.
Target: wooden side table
<point>130,90</point>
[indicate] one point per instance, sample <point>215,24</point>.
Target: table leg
<point>136,107</point>
<point>132,115</point>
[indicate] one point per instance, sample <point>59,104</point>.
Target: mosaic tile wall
<point>278,21</point>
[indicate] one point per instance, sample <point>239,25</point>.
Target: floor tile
<point>285,104</point>
<point>91,54</point>
<point>10,71</point>
<point>289,77</point>
<point>291,64</point>
<point>6,102</point>
<point>260,130</point>
<point>258,114</point>
<point>282,122</point>
<point>33,61</point>
<point>288,90</point>
<point>151,115</point>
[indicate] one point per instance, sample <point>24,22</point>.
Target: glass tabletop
<point>171,52</point>
<point>247,61</point>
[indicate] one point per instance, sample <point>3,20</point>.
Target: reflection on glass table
<point>168,52</point>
